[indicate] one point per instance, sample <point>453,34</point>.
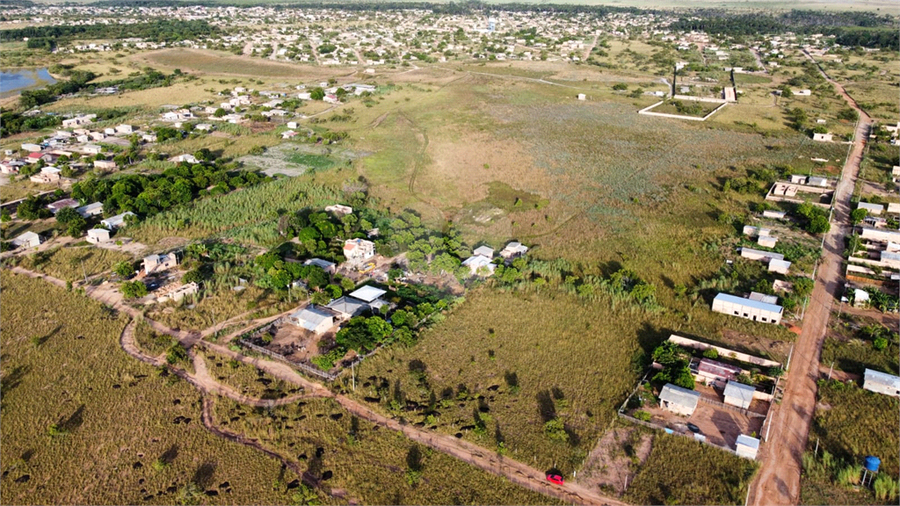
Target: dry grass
<point>73,263</point>
<point>368,465</point>
<point>62,365</point>
<point>217,307</point>
<point>221,63</point>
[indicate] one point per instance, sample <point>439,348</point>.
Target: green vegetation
<point>316,162</point>
<point>683,471</point>
<point>851,423</point>
<point>114,417</point>
<point>165,30</point>
<point>71,263</point>
<point>855,344</point>
<point>373,465</point>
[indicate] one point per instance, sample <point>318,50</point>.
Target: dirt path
<point>587,51</point>
<point>488,460</point>
<point>778,480</point>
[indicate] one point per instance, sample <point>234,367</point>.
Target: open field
<point>850,423</point>
<point>852,351</point>
<point>123,435</point>
<point>220,63</point>
<point>359,462</point>
<point>682,471</point>
<point>520,360</point>
<point>73,263</point>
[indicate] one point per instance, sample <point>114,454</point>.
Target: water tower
<point>870,469</point>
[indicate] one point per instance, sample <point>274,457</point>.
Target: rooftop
<point>739,390</point>
<point>680,396</point>
<point>368,293</point>
<point>882,378</point>
<point>755,304</point>
<point>745,440</point>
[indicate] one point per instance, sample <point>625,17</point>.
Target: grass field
<point>365,464</point>
<point>220,63</point>
<point>73,263</point>
<point>682,471</point>
<point>217,307</point>
<point>851,351</point>
<point>114,416</point>
<point>850,423</point>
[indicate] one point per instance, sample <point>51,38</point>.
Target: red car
<point>555,478</point>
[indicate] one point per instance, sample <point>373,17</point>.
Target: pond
<point>15,80</point>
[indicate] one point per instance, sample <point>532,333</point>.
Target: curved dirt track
<point>516,472</point>
<point>778,480</point>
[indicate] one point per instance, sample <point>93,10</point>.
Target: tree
<point>124,269</point>
<point>555,429</point>
<point>317,93</point>
<point>134,289</point>
<point>858,215</point>
<point>818,225</point>
<point>219,112</point>
<point>620,87</point>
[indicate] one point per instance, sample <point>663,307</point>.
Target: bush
<point>134,289</point>
<point>711,353</point>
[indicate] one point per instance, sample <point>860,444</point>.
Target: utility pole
<point>353,374</point>
<point>831,369</point>
<point>83,272</point>
<point>787,367</point>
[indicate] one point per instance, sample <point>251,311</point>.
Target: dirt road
<point>778,480</point>
<point>486,459</point>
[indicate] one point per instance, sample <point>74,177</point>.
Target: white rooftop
<point>368,293</point>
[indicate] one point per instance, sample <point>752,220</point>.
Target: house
<point>331,99</point>
<point>767,241</point>
<point>746,308</point>
<point>97,235</point>
<point>116,221</point>
<point>347,307</point>
<point>890,259</point>
<point>292,124</point>
<point>678,400</point>
<point>124,129</point>
<point>313,319</point>
<point>178,292</point>
<point>739,394</point>
<point>358,250</point>
<point>148,137</point>
<point>109,131</point>
<point>860,298</point>
<point>821,182</point>
<point>746,446</point>
<point>184,158</point>
<point>582,96</point>
<point>755,254</point>
<point>325,265</point>
<point>339,210</point>
<point>881,383</point>
<point>11,166</point>
<point>203,127</point>
<point>95,209</point>
<point>105,164</point>
<point>371,296</point>
<point>32,148</point>
<point>779,266</point>
<point>893,208</point>
<point>91,149</point>
<point>822,137</point>
<point>27,240</point>
<point>485,251</point>
<point>777,215</point>
<point>479,264</point>
<point>802,93</point>
<point>55,207</point>
<point>159,263</point>
<point>513,250</point>
<point>871,208</point>
<point>713,372</point>
<point>47,175</point>
<point>880,235</point>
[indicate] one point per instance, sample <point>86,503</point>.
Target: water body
<point>17,80</point>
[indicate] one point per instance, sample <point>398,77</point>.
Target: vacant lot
<point>73,263</point>
<point>361,463</point>
<point>221,63</point>
<point>83,423</point>
<point>682,471</point>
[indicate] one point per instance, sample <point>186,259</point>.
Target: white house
<point>27,240</point>
<point>177,293</point>
<point>339,210</point>
<point>875,209</point>
<point>31,148</point>
<point>513,250</point>
<point>325,265</point>
<point>116,221</point>
<point>746,446</point>
<point>766,241</point>
<point>97,235</point>
<point>91,149</point>
<point>880,235</point>
<point>184,158</point>
<point>124,129</point>
<point>347,307</point>
<point>94,209</point>
<point>159,263</point>
<point>313,319</point>
<point>822,137</point>
<point>479,264</point>
<point>678,400</point>
<point>755,254</point>
<point>358,250</point>
<point>777,215</point>
<point>779,266</point>
<point>739,394</point>
<point>745,308</point>
<point>371,296</point>
<point>485,251</point>
<point>881,383</point>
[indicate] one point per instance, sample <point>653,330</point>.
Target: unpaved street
<point>778,480</point>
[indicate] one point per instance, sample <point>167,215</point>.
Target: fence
<point>660,427</point>
<point>277,356</point>
<point>722,405</point>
